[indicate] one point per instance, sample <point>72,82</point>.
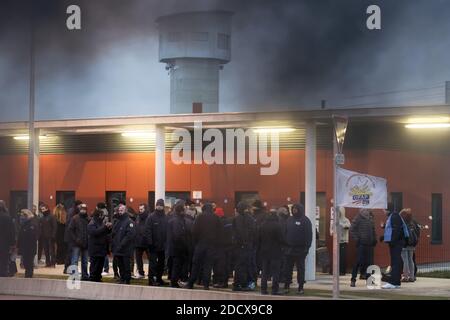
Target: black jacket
<point>156,231</point>
<point>97,237</point>
<point>226,233</point>
<point>177,236</point>
<point>123,236</point>
<point>70,215</point>
<point>206,229</point>
<point>28,236</point>
<point>48,226</point>
<point>362,230</point>
<point>271,238</point>
<point>7,232</point>
<point>78,231</point>
<point>140,241</point>
<point>298,234</point>
<point>398,235</point>
<point>244,230</point>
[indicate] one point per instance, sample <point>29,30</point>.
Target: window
<point>174,36</point>
<point>173,197</point>
<point>223,41</point>
<point>113,198</point>
<point>197,107</point>
<point>436,214</point>
<point>396,198</point>
<point>199,36</point>
<point>247,196</point>
<point>67,198</point>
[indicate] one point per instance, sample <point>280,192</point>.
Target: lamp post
<point>33,136</point>
<point>340,128</point>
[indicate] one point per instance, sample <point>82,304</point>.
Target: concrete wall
<point>107,291</point>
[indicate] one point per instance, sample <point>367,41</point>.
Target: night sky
<point>286,54</point>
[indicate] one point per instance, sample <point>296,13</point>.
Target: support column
<point>447,92</point>
<point>33,169</point>
<point>310,195</point>
<point>160,163</point>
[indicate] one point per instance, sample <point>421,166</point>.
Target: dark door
<point>173,196</point>
<point>18,201</point>
<point>151,201</point>
<point>67,198</point>
<point>247,196</point>
<point>113,198</point>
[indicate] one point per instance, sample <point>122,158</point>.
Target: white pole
<point>310,196</point>
<point>160,164</point>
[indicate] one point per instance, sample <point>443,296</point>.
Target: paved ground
<point>6,297</point>
<point>321,287</point>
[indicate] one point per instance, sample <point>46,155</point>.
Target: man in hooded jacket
<point>156,238</point>
<point>205,231</point>
<point>298,240</point>
<point>244,235</point>
<point>177,247</point>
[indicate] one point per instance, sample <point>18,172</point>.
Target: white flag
<point>358,190</point>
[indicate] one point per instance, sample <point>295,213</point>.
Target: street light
<point>340,128</point>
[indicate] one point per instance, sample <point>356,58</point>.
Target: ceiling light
<point>427,125</point>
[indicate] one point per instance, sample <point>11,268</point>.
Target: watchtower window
<point>223,41</point>
<point>174,36</point>
<point>199,36</point>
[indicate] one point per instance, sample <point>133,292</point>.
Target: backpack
<point>413,237</point>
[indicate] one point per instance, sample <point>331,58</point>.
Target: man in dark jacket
<point>98,232</point>
<point>244,234</point>
<point>141,242</point>
<point>74,210</point>
<point>395,236</point>
<point>259,214</point>
<point>190,215</point>
<point>79,240</point>
<point>270,242</point>
<point>156,236</point>
<point>177,243</point>
<point>224,249</point>
<point>123,237</point>
<point>298,240</point>
<point>206,228</point>
<point>27,241</point>
<point>7,238</point>
<point>283,214</point>
<point>362,231</point>
<point>47,229</point>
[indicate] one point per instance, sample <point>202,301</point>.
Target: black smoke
<point>286,54</point>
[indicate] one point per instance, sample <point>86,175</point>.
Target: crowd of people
<point>401,233</point>
<point>194,244</point>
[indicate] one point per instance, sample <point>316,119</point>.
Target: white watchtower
<point>195,46</point>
